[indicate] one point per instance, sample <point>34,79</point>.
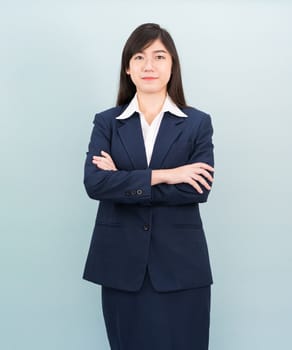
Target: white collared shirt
<point>150,131</point>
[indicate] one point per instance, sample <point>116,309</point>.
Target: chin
<point>151,90</point>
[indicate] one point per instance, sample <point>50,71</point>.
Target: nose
<point>148,65</point>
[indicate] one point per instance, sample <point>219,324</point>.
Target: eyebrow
<point>155,51</point>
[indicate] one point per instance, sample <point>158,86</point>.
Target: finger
<point>102,160</point>
<point>206,174</point>
<point>103,156</point>
<point>106,155</point>
<point>98,164</point>
<point>106,162</point>
<point>195,185</point>
<point>99,161</point>
<point>204,166</point>
<point>202,181</point>
<point>109,163</point>
<point>109,159</point>
<point>103,163</point>
<point>103,166</point>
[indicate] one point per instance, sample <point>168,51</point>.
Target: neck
<point>151,104</point>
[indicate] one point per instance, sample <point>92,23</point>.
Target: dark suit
<point>138,224</point>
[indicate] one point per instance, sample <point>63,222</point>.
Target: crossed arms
<point>194,174</point>
<point>187,184</point>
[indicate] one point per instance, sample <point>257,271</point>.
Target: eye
<point>138,57</point>
<point>160,57</point>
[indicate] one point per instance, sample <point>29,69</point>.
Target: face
<point>150,69</point>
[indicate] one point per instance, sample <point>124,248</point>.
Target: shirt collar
<point>168,106</point>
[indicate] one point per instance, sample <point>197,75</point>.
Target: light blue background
<point>59,66</point>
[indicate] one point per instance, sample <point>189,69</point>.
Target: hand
<point>194,174</point>
<point>104,162</point>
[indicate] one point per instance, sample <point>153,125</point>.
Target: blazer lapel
<point>131,136</point>
<point>170,129</point>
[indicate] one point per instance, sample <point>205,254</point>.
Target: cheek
<point>132,71</point>
<point>167,74</point>
<point>167,71</point>
<point>133,76</point>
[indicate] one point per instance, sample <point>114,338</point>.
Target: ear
<point>128,71</point>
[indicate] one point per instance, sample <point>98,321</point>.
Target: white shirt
<point>150,131</point>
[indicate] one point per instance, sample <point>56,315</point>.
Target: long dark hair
<point>142,37</point>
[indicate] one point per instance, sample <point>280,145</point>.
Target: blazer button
<point>146,227</point>
<point>139,192</point>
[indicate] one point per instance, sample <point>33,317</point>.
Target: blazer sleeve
<point>131,187</point>
<point>181,194</point>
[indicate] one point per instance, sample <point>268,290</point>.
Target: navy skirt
<point>151,320</point>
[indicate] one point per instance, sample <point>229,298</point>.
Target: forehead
<point>154,46</point>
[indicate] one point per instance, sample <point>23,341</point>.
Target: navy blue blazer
<point>139,225</point>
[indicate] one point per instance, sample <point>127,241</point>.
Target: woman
<point>150,164</point>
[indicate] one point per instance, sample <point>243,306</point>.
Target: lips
<point>149,78</point>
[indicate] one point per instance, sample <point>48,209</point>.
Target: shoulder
<point>196,117</point>
<point>195,113</point>
<point>109,114</point>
